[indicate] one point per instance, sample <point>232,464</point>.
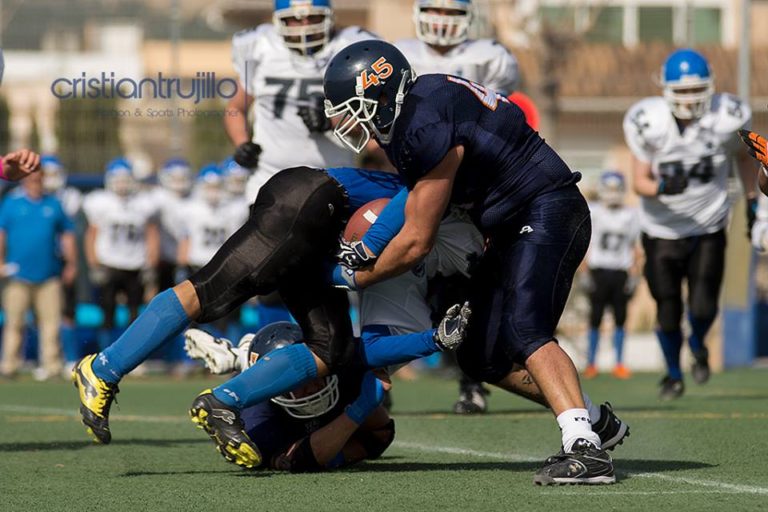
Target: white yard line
<point>714,485</point>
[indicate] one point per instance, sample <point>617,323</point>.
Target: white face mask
<point>53,180</point>
<point>442,29</point>
<point>314,405</point>
<point>304,39</point>
<point>121,184</point>
<point>689,100</point>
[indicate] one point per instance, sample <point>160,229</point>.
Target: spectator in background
<point>122,240</point>
<point>71,199</point>
<point>34,232</point>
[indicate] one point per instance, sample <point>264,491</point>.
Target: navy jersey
<point>364,186</point>
<point>506,164</point>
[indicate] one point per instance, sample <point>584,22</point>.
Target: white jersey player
<point>209,219</point>
<point>611,258</point>
<point>118,218</point>
<point>683,145</point>
<point>175,185</point>
<point>443,46</point>
<point>760,228</point>
<point>615,227</point>
<point>280,67</point>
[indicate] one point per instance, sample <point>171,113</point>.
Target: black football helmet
<point>366,83</point>
<point>283,334</point>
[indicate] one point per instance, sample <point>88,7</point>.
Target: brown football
<point>362,219</point>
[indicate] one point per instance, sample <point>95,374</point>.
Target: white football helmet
<point>306,26</point>
<point>442,22</point>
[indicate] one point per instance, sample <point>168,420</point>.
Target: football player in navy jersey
<point>284,246</point>
<point>455,142</point>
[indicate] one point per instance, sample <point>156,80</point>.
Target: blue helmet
<point>688,83</point>
<point>119,177</point>
<point>176,176</point>
<point>366,83</point>
<point>306,26</point>
<point>210,184</point>
<point>235,177</point>
<point>612,188</point>
<point>442,22</point>
<point>284,334</point>
<point>54,174</point>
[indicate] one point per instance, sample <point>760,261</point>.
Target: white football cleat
<point>218,354</point>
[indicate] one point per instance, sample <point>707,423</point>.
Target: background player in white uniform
<point>235,181</point>
<point>208,219</point>
<point>443,46</point>
<point>122,240</point>
<point>683,146</point>
<point>175,184</point>
<point>611,258</point>
<point>55,183</point>
<point>281,66</point>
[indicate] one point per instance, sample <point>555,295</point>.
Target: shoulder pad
<point>730,113</point>
<point>249,36</point>
<point>648,118</point>
<point>354,33</point>
<point>408,46</point>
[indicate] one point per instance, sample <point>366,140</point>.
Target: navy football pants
<point>522,283</point>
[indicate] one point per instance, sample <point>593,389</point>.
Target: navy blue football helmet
<point>366,84</point>
<point>280,335</point>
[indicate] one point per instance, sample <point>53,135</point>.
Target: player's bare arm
<point>644,182</point>
<point>19,164</point>
<point>423,210</point>
<point>236,120</point>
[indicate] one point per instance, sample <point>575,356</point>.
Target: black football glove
<point>313,115</point>
<point>751,215</point>
<point>673,185</point>
<point>247,155</point>
<point>353,254</point>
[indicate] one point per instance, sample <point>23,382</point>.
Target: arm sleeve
<point>388,225</point>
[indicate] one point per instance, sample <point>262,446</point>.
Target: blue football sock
<point>162,320</point>
<point>671,344</point>
<point>618,344</point>
<point>70,344</point>
<point>277,372</point>
<point>594,339</point>
<point>379,348</point>
<point>699,329</point>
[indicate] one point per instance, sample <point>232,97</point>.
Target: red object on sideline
<point>528,107</point>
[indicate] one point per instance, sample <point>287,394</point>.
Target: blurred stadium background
<point>583,63</point>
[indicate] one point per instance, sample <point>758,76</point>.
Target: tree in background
<point>209,140</point>
<point>88,133</point>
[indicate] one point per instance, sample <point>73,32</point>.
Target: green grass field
<point>705,451</point>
